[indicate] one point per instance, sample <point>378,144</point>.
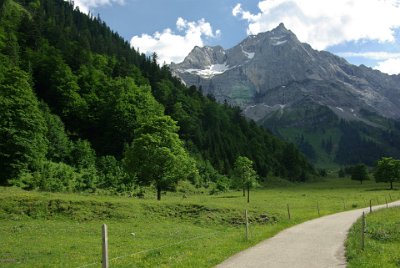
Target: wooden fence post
<point>387,205</point>
<point>370,206</point>
<point>319,215</point>
<point>288,211</point>
<point>104,260</point>
<point>390,196</point>
<point>363,231</point>
<point>344,204</point>
<point>247,224</point>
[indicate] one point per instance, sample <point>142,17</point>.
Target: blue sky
<point>362,31</point>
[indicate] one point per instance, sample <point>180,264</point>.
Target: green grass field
<point>64,230</point>
<point>382,241</point>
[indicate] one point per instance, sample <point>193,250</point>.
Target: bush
<point>186,187</point>
<point>57,177</point>
<point>112,175</point>
<point>53,177</point>
<point>221,185</point>
<point>87,180</point>
<point>322,172</point>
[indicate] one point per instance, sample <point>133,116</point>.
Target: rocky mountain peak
<point>202,57</point>
<point>280,28</point>
<point>275,68</point>
<point>289,87</point>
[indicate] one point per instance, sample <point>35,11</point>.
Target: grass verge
<point>382,241</point>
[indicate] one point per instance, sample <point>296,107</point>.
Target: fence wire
<point>151,249</point>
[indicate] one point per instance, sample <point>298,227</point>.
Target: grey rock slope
<point>274,72</point>
<point>335,112</point>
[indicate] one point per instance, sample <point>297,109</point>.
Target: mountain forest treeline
<point>75,99</point>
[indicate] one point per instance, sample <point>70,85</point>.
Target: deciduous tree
<point>387,170</point>
<point>359,173</point>
<point>23,144</point>
<point>245,173</point>
<point>157,156</point>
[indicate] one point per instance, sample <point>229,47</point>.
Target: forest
<point>80,110</point>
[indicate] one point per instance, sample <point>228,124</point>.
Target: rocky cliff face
<point>275,71</point>
<point>302,95</point>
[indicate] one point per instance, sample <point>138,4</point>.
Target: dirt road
<point>317,243</point>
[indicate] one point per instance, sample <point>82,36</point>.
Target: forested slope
<point>73,92</point>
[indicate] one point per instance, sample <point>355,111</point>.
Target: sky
<point>362,31</point>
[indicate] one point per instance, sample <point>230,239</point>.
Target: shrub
<point>53,177</point>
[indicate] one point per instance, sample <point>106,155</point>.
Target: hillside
<point>74,94</point>
<point>312,98</point>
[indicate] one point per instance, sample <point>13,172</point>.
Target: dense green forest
<point>75,99</point>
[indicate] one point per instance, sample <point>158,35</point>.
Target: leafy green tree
<point>112,174</point>
<point>157,155</point>
<point>126,105</point>
<point>359,173</point>
<point>387,170</point>
<point>82,155</point>
<point>294,165</point>
<point>60,146</point>
<point>341,173</point>
<point>23,143</point>
<point>245,173</point>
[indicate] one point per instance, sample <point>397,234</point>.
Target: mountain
<point>309,97</point>
<point>73,95</point>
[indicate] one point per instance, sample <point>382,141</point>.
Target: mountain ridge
<point>271,74</point>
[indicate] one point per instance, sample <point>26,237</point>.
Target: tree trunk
<point>244,191</point>
<point>360,181</point>
<point>158,193</point>
<point>248,193</point>
<point>391,185</point>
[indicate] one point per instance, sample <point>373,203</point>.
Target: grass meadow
<point>382,241</point>
<point>40,229</point>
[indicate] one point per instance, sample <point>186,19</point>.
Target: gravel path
<point>317,243</point>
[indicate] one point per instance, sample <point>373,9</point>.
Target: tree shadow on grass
<point>229,196</point>
<point>380,190</point>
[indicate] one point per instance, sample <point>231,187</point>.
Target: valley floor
<point>64,230</point>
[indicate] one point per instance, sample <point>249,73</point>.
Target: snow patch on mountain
<point>278,43</point>
<point>278,40</point>
<point>249,55</point>
<point>210,71</point>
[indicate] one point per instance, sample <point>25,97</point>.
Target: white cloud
<point>389,62</point>
<point>326,23</point>
<point>375,55</point>
<point>172,47</point>
<point>390,66</point>
<point>86,5</point>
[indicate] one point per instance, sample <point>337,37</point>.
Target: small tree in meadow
<point>359,173</point>
<point>387,170</point>
<point>157,155</point>
<point>341,173</point>
<point>245,173</point>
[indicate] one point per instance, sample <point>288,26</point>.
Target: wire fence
<point>152,249</point>
<point>363,226</point>
<point>246,223</point>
